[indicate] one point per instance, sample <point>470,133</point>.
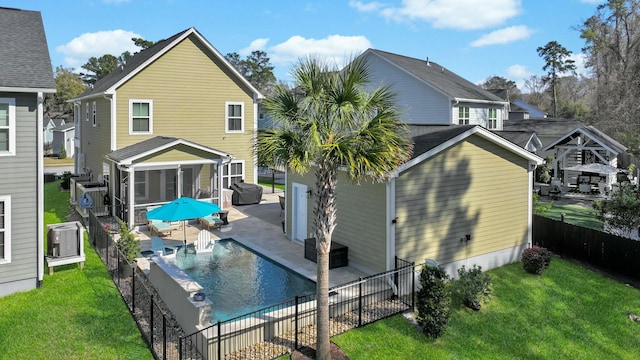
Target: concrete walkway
<point>259,227</point>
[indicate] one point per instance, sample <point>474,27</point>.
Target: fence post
<point>151,323</point>
<point>413,286</point>
<point>295,346</point>
<point>180,347</point>
<point>219,342</point>
<point>133,290</point>
<point>164,337</point>
<point>360,303</point>
<point>562,238</point>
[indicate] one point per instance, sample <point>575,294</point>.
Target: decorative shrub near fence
<point>606,251</point>
<point>263,334</point>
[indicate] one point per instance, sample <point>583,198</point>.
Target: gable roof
<point>438,77</point>
<point>25,65</point>
<point>594,134</point>
<point>525,139</point>
<point>543,126</point>
<point>64,128</point>
<point>128,154</point>
<point>435,139</point>
<point>144,58</point>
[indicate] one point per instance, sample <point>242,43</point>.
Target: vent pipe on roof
<point>428,63</point>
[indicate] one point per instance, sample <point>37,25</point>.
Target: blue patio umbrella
<point>182,209</point>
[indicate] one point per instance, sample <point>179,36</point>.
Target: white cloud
<point>360,6</point>
<point>518,72</point>
<point>257,44</point>
<point>77,51</point>
<point>453,14</point>
<point>580,60</point>
<point>503,36</point>
<point>336,48</point>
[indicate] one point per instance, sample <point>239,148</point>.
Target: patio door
<point>299,212</point>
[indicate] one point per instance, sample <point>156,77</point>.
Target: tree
<point>98,68</point>
<point>535,89</point>
<point>557,61</point>
<point>256,68</point>
<point>621,214</point>
<point>68,86</point>
<point>433,301</point>
<point>326,123</point>
<point>500,83</point>
<point>612,38</point>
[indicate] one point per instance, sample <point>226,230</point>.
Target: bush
<point>66,180</point>
<point>433,301</point>
<point>128,244</point>
<point>535,259</point>
<point>473,287</point>
<point>63,153</point>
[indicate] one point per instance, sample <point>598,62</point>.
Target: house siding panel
<point>95,139</point>
<point>189,102</point>
<point>474,187</point>
<point>19,180</point>
<point>418,102</point>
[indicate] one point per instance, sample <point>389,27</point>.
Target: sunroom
<point>158,170</point>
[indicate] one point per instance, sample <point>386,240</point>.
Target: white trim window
<point>140,116</point>
<point>234,117</point>
<point>141,185</point>
<point>463,115</point>
<point>86,111</point>
<point>492,119</point>
<point>233,173</point>
<point>7,126</point>
<point>5,229</point>
<point>94,114</point>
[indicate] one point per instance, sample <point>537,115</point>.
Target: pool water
<point>238,280</point>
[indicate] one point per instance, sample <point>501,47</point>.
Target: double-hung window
<point>463,115</point>
<point>492,121</point>
<point>7,126</point>
<point>5,229</point>
<point>86,112</point>
<point>234,115</point>
<point>233,173</point>
<point>94,114</point>
<point>140,116</point>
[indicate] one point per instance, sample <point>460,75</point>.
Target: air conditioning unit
<point>63,240</point>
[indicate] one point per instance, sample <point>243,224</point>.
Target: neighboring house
<point>533,112</point>
<point>176,120</point>
<point>525,139</point>
<point>464,198</point>
<point>548,130</point>
<point>429,94</point>
<point>64,137</point>
<point>25,77</point>
<point>48,129</point>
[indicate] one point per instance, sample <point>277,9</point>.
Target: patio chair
<point>211,221</point>
<point>160,227</point>
<point>204,242</point>
<point>159,248</point>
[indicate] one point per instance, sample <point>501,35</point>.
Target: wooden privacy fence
<point>604,250</point>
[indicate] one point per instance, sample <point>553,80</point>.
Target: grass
<point>576,215</point>
<point>49,161</point>
<point>566,313</point>
<point>75,315</point>
<point>268,184</point>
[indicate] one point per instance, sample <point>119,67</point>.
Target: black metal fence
<point>272,331</point>
<point>604,250</point>
<point>156,323</point>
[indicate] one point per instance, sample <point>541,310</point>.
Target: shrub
<point>473,287</point>
<point>128,244</point>
<point>433,301</point>
<point>535,259</point>
<point>63,153</point>
<point>66,180</point>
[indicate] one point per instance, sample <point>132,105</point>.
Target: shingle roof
<point>543,126</point>
<point>439,77</point>
<point>427,137</point>
<point>520,138</point>
<point>24,55</point>
<point>141,147</point>
<point>65,127</point>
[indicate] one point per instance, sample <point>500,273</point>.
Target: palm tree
<point>329,121</point>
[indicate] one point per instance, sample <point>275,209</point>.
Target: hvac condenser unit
<point>63,240</point>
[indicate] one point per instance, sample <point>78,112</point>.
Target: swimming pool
<point>238,280</point>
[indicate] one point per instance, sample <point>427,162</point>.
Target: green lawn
<point>575,214</point>
<point>567,313</point>
<point>75,315</point>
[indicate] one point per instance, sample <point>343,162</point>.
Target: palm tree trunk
<point>324,221</point>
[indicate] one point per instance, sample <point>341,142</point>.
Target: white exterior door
<point>299,212</point>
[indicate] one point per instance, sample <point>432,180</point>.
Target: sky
<point>475,39</point>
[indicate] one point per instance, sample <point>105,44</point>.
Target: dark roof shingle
<point>24,55</point>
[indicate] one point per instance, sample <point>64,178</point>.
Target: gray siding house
<point>25,77</point>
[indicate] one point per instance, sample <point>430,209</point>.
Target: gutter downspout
<point>40,193</point>
<point>391,222</point>
<point>112,120</point>
<point>532,167</point>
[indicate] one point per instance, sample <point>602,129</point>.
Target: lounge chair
<point>204,242</point>
<point>211,221</point>
<point>160,227</point>
<point>159,248</point>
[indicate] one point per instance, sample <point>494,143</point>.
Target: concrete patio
<point>259,227</point>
